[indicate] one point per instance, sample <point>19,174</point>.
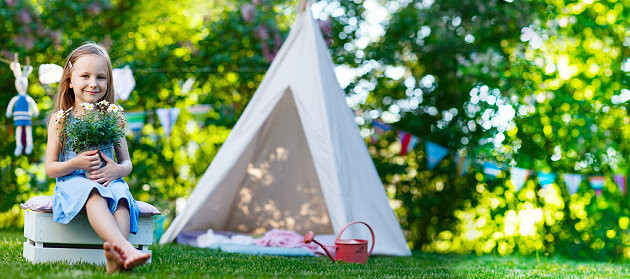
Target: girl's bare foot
<point>115,262</point>
<point>132,257</point>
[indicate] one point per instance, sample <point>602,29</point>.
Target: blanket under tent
<point>274,242</point>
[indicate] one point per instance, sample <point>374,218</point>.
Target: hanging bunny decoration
<point>22,107</point>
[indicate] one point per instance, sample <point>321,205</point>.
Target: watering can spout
<point>310,237</point>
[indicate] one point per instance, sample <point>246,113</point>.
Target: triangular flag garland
<point>545,178</point>
<point>407,142</point>
<point>597,183</point>
<point>167,117</point>
<point>50,73</point>
<point>463,163</point>
<point>435,153</point>
<point>199,112</point>
<point>622,182</point>
<point>135,120</point>
<point>491,168</point>
<point>199,109</point>
<point>572,181</point>
<point>518,176</point>
<point>123,82</point>
<point>380,127</point>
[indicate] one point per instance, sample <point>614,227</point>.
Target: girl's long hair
<point>64,99</point>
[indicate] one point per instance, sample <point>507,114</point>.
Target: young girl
<point>110,208</point>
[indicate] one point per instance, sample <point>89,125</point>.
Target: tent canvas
<point>295,159</point>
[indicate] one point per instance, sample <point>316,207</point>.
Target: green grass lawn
<point>182,261</point>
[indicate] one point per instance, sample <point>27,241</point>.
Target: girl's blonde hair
<point>64,99</point>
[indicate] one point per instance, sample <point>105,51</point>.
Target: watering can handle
<point>351,223</point>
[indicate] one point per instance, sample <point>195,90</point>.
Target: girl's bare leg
<point>104,224</point>
<point>121,215</point>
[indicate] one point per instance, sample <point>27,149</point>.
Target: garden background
<point>541,85</point>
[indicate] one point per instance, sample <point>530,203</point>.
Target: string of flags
<point>122,78</point>
<point>166,116</point>
<point>518,176</point>
<point>124,84</point>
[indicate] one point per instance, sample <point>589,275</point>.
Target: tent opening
<point>280,188</point>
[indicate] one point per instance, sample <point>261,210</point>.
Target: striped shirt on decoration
<point>597,183</point>
<point>622,182</point>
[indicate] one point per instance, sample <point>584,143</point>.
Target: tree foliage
<point>531,84</point>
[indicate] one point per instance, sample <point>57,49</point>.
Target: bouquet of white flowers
<point>102,124</point>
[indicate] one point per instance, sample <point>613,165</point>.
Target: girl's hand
<point>106,174</point>
<point>88,160</point>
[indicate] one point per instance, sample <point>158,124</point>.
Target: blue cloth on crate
<point>73,190</point>
<point>21,115</point>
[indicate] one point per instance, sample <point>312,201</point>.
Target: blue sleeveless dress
<point>73,190</point>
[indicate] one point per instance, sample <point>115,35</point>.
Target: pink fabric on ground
<point>287,239</point>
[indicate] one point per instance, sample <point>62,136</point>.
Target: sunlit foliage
<point>538,84</point>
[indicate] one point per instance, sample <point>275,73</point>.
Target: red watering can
<point>346,250</point>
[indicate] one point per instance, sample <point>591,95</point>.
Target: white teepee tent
<point>295,159</point>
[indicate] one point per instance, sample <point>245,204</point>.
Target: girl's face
<point>88,79</point>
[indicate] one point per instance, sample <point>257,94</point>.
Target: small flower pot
<point>106,149</point>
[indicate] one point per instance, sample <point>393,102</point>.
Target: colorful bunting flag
<point>167,117</point>
<point>572,181</point>
<point>545,178</point>
<point>491,168</point>
<point>622,182</point>
<point>407,142</point>
<point>199,109</point>
<point>135,120</point>
<point>463,163</point>
<point>187,85</point>
<point>597,183</point>
<point>518,176</point>
<point>199,113</point>
<point>435,153</point>
<point>50,73</point>
<point>380,127</point>
<point>123,82</point>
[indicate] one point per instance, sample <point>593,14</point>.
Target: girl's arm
<point>124,160</point>
<point>87,160</point>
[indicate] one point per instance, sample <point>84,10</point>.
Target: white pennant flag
<point>518,176</point>
<point>572,181</point>
<point>167,117</point>
<point>123,82</point>
<point>50,73</point>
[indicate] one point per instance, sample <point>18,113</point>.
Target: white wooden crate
<point>49,241</point>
